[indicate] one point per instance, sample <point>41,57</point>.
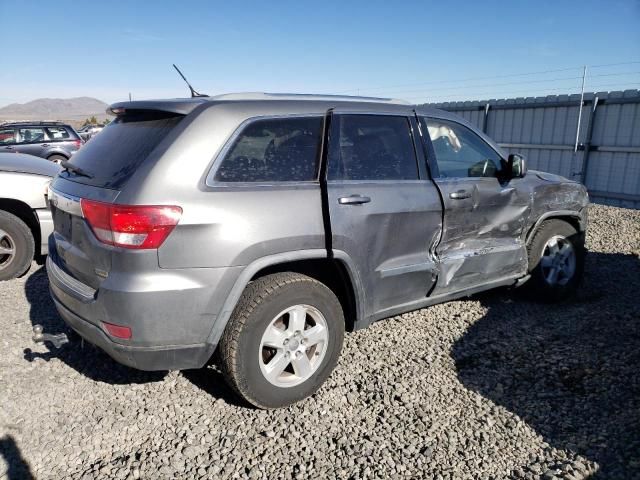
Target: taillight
<point>131,226</point>
<point>77,143</point>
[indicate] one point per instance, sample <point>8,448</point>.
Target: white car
<point>25,218</point>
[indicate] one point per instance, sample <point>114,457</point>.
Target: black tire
<point>15,234</point>
<point>57,158</point>
<point>538,286</point>
<point>240,345</point>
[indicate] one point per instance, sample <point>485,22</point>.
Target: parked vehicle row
<point>54,141</point>
<point>89,130</point>
<point>264,226</point>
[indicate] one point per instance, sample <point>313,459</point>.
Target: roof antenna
<point>193,92</point>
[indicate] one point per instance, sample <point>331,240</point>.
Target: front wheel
<point>283,340</point>
<point>556,260</point>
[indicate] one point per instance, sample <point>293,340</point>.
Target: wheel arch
<point>336,273</point>
<point>573,218</point>
<point>25,213</point>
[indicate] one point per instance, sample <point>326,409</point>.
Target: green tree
<point>93,120</point>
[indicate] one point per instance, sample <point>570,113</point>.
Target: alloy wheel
<point>293,346</point>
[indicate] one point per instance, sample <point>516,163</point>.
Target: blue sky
<point>415,50</point>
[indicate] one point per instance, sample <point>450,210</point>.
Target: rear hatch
<point>97,173</point>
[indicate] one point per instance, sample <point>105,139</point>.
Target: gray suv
<point>262,226</point>
<point>54,141</point>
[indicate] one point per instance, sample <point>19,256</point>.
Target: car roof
<point>278,101</point>
<point>22,163</point>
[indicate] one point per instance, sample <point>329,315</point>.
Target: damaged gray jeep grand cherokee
<point>262,226</point>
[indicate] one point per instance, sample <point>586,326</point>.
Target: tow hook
<point>58,340</point>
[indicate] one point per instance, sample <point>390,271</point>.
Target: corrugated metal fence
<point>543,129</point>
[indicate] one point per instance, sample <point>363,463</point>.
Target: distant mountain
<point>55,109</point>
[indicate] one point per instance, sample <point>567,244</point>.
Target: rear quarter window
<point>273,150</point>
<point>113,156</point>
<point>58,133</point>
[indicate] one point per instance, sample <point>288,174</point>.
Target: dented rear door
<point>385,216</point>
<point>484,215</point>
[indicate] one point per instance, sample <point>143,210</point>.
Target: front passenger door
<point>484,212</point>
<point>7,139</point>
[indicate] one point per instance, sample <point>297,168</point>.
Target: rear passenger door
<point>484,212</point>
<point>31,140</point>
<point>385,214</point>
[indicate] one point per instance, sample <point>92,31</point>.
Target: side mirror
<point>517,166</point>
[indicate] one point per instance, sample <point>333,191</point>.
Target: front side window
<point>372,147</point>
<point>31,135</point>
<point>57,133</point>
<point>461,153</point>
<point>7,136</point>
<point>274,150</point>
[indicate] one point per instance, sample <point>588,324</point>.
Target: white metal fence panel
<point>543,129</point>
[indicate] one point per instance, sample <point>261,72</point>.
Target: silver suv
<point>54,141</point>
<point>265,225</point>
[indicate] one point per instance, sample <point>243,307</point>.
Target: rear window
<point>113,156</point>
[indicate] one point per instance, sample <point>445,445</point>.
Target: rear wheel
<point>283,340</point>
<point>556,260</point>
<point>16,246</point>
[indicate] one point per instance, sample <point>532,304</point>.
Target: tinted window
<point>462,153</point>
<point>114,155</point>
<point>57,133</point>
<point>7,136</point>
<point>372,147</point>
<point>31,135</point>
<point>274,150</point>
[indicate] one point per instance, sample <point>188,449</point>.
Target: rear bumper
<point>179,357</point>
<point>170,312</point>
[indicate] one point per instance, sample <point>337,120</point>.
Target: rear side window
<point>372,147</point>
<point>30,135</point>
<point>113,156</point>
<point>57,133</point>
<point>274,150</point>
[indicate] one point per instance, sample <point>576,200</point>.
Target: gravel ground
<point>490,387</point>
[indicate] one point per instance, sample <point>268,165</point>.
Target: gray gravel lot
<point>491,387</point>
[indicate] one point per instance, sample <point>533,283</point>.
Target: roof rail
<point>304,96</point>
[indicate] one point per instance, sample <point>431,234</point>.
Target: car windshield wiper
<point>69,167</point>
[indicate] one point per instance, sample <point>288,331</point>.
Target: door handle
<point>8,148</point>
<point>44,145</point>
<point>353,200</point>
<point>459,195</point>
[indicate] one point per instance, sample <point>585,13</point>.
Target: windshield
<point>112,157</point>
